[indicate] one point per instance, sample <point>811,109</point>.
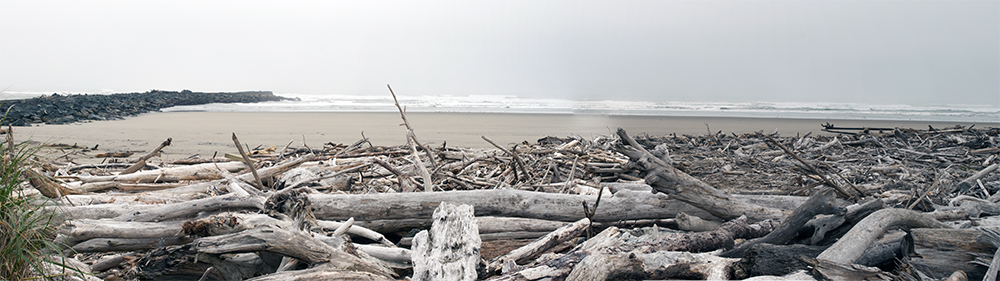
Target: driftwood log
<point>681,186</point>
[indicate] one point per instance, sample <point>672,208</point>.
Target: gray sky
<point>883,52</point>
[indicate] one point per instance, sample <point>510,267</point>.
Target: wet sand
<point>207,133</point>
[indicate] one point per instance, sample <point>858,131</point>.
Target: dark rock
<point>60,109</point>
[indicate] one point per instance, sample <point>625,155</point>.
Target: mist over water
<point>515,104</point>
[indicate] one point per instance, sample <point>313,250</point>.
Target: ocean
<point>968,113</point>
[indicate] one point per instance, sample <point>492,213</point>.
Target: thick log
<point>82,230</point>
<point>159,212</point>
<point>450,250</point>
<point>322,272</point>
<point>624,205</point>
<point>853,244</point>
<point>942,251</point>
<point>681,186</point>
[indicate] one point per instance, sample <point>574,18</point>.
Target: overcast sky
<point>881,52</point>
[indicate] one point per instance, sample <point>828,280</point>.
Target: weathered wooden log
<point>531,251</point>
<point>295,244</point>
<point>822,202</point>
<point>207,171</point>
<point>82,230</point>
<point>830,270</point>
<point>625,205</point>
<point>970,181</point>
<point>853,244</point>
<point>719,238</point>
<point>322,272</point>
<point>46,186</point>
<point>159,212</point>
<point>679,185</point>
<point>450,250</point>
<point>942,251</point>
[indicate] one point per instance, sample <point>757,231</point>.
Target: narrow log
<point>141,162</point>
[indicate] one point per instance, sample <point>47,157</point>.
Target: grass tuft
<point>26,228</point>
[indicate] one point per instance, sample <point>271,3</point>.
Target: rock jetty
<point>64,109</point>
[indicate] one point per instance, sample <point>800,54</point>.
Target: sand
<point>208,133</point>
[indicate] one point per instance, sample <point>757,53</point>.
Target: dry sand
<point>205,133</point>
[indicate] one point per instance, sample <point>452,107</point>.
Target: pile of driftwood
<point>861,203</point>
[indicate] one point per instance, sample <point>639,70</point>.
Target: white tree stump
<point>450,250</point>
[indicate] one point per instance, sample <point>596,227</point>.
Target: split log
<point>625,205</point>
<point>450,250</point>
<point>679,185</point>
<point>853,244</point>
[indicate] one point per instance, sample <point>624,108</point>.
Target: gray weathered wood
<point>853,244</point>
<point>450,250</point>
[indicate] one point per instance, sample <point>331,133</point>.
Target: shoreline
<point>209,133</point>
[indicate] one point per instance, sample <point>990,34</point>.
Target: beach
<point>210,133</point>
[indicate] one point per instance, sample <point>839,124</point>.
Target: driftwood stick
<point>139,164</point>
<point>428,183</point>
<point>520,164</point>
<point>967,183</point>
<point>402,115</point>
<point>249,163</point>
<point>853,244</point>
<point>814,170</point>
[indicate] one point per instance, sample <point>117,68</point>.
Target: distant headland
<point>64,109</point>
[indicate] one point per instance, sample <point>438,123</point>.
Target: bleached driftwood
<point>450,250</point>
<point>206,171</point>
<point>679,185</point>
<point>531,251</point>
<point>853,244</point>
<point>624,205</point>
